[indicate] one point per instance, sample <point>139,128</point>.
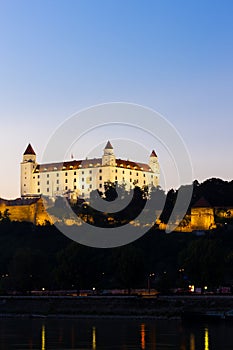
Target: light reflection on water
<point>123,334</point>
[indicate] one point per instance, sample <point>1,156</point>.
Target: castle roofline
<point>91,163</point>
<point>29,150</point>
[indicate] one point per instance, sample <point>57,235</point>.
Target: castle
<point>80,177</point>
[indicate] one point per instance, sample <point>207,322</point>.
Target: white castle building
<point>80,177</point>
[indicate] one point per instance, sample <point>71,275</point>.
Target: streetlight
<point>148,281</point>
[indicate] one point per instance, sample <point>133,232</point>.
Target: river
<point>124,333</point>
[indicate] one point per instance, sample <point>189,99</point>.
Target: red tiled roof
<point>29,150</point>
<point>202,203</point>
<point>88,163</point>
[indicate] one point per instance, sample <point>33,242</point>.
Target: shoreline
<point>162,307</point>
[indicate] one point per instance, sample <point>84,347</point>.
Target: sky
<point>59,57</point>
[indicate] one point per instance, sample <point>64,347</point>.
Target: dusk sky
<point>58,57</point>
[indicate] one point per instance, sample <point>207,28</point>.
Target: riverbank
<point>127,306</point>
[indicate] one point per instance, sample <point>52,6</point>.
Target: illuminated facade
<point>79,177</point>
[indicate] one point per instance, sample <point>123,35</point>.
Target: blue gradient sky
<point>58,57</point>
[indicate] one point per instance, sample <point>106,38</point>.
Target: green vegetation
<point>36,257</point>
<point>41,257</point>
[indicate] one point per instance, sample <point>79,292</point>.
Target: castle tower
<point>153,162</point>
<point>27,167</point>
<point>108,156</point>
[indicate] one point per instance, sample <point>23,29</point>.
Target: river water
<point>125,334</point>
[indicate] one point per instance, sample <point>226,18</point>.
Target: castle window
<point>75,173</point>
<point>33,177</point>
<point>38,176</point>
<point>82,194</point>
<point>57,174</point>
<point>82,172</point>
<point>130,173</point>
<point>24,185</point>
<point>47,189</point>
<point>144,175</point>
<point>100,178</point>
<point>82,179</point>
<point>152,176</point>
<point>90,171</point>
<point>57,188</point>
<point>144,182</point>
<point>38,191</point>
<point>115,177</point>
<point>38,183</point>
<point>100,185</point>
<point>100,170</point>
<point>130,180</point>
<point>75,187</point>
<point>66,174</point>
<point>123,179</point>
<point>75,180</point>
<point>82,187</point>
<point>66,181</point>
<point>116,170</point>
<point>47,175</point>
<point>123,172</point>
<point>66,188</point>
<point>57,182</point>
<point>136,174</point>
<point>25,178</point>
<point>47,182</point>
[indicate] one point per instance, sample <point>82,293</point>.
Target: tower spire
<point>108,145</point>
<point>29,150</point>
